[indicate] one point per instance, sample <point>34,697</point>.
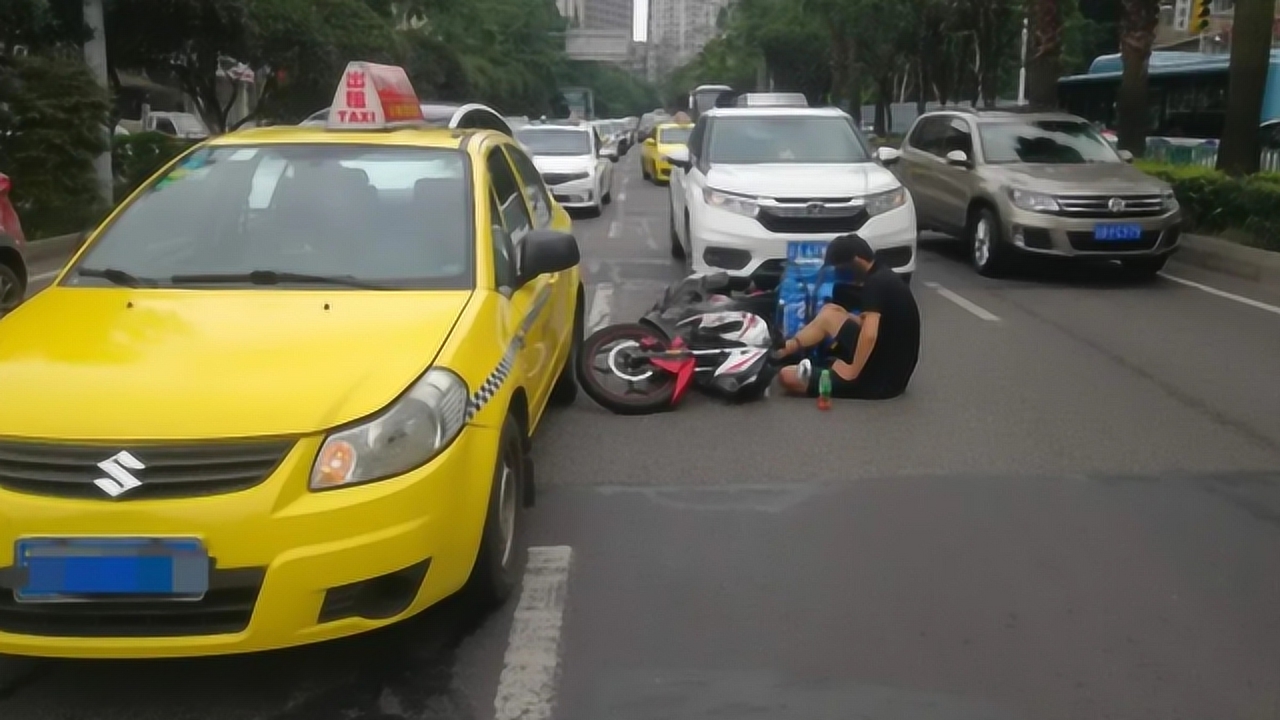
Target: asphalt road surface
<point>1074,513</point>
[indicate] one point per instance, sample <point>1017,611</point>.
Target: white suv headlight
<point>1033,201</point>
<point>412,430</point>
<point>740,204</point>
<point>881,203</point>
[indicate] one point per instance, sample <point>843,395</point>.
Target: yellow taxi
<point>664,138</point>
<point>286,391</point>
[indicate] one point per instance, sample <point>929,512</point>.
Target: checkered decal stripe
<point>489,388</point>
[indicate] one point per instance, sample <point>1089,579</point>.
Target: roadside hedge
<point>1245,210</point>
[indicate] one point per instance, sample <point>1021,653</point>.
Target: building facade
<point>1174,32</point>
<point>608,15</point>
<point>678,29</point>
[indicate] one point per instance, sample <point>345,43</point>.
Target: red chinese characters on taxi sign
<point>373,96</point>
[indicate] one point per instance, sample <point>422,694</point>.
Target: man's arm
<point>866,343</point>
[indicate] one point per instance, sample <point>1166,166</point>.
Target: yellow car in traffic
<point>666,137</point>
<point>285,393</point>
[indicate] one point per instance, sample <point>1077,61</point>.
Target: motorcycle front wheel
<point>610,372</point>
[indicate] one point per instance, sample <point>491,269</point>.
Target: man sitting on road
<point>876,352</point>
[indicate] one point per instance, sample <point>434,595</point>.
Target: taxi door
<point>564,291</point>
<point>527,307</point>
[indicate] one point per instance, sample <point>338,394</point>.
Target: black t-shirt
<point>897,349</point>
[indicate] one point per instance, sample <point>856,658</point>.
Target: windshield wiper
<point>273,277</point>
<point>116,277</point>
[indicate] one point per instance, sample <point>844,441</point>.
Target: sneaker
<point>804,370</point>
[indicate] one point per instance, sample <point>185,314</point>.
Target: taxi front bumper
<point>291,566</point>
<point>661,170</point>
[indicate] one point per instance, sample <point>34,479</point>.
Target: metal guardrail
<point>1202,154</point>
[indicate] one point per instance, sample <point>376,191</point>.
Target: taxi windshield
<point>394,218</point>
<point>546,141</point>
<point>674,136</point>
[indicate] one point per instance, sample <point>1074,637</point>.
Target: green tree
<point>1044,55</point>
<point>51,118</point>
<point>186,40</point>
<point>1250,62</point>
<point>41,25</point>
<point>1137,33</point>
<point>617,92</point>
<point>302,47</point>
<point>507,51</point>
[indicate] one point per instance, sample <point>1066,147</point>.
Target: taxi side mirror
<point>650,142</point>
<point>679,157</point>
<point>547,251</point>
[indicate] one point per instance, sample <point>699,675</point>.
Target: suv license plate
<point>1117,232</point>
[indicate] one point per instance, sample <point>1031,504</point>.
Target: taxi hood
<point>119,364</point>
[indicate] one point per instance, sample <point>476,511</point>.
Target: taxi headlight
<point>881,203</point>
<point>415,428</point>
<point>740,204</point>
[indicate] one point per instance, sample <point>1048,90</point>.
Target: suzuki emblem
<point>118,467</point>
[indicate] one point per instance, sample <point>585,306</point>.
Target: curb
<point>1210,253</point>
<point>54,248</point>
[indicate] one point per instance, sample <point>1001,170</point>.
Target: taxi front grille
<point>147,472</point>
<point>225,609</point>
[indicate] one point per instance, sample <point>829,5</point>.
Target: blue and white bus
<point>1187,93</point>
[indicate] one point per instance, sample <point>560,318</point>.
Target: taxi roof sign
<point>373,97</point>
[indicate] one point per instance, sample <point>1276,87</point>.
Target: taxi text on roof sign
<point>372,96</point>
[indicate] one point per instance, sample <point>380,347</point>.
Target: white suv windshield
<point>1070,142</point>
<point>386,217</point>
<point>542,141</point>
<point>757,139</point>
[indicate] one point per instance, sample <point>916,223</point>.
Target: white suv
<point>752,180</point>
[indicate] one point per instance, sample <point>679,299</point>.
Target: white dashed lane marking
<point>600,307</point>
<point>1224,294</point>
<point>964,302</point>
<point>527,688</point>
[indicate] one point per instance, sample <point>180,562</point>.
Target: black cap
<point>843,250</point>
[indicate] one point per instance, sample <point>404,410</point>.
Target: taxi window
<point>505,268</point>
<point>534,191</point>
<point>393,217</point>
<point>514,212</point>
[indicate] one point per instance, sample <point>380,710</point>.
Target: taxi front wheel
<point>494,575</point>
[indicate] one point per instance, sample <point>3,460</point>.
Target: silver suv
<point>1011,182</point>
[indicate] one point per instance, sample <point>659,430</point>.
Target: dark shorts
<point>846,344</point>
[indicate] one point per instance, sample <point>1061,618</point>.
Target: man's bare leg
<point>827,324</point>
<point>792,383</point>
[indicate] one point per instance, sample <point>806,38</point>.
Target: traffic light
<point>1200,11</point>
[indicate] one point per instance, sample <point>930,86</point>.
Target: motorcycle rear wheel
<point>660,385</point>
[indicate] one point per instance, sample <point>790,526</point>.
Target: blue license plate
<point>1117,233</point>
<point>111,568</point>
<point>806,251</point>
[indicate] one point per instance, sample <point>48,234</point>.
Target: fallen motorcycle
<point>698,334</point>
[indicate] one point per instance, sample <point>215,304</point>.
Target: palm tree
<point>1137,32</point>
<point>1250,61</point>
<point>1045,61</point>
